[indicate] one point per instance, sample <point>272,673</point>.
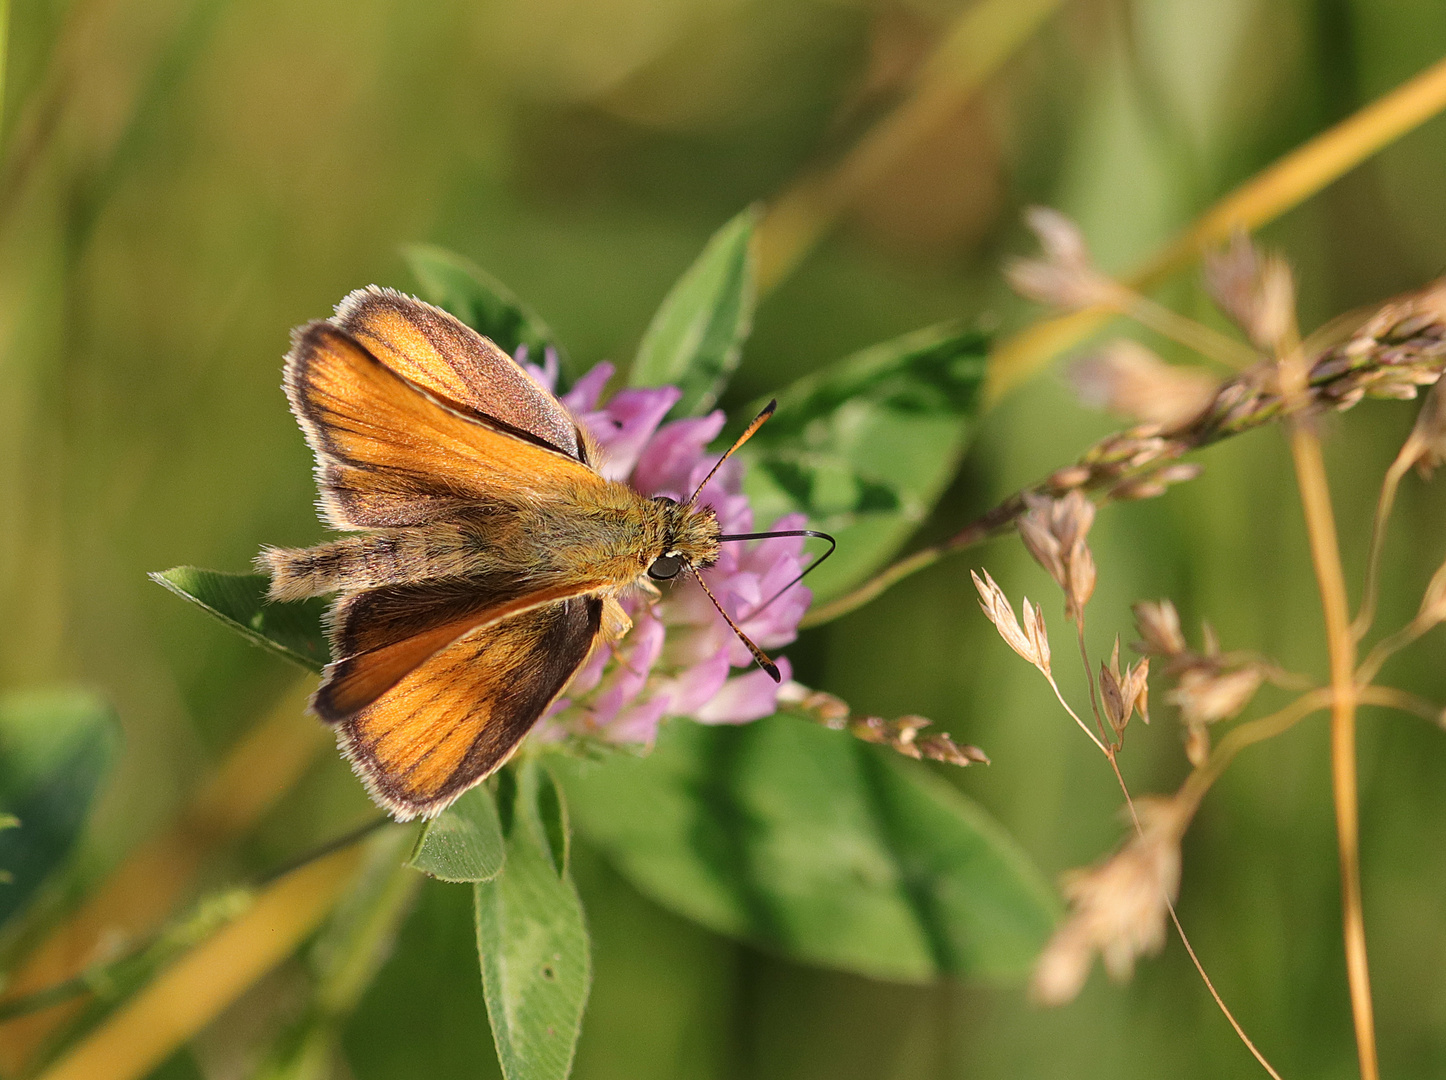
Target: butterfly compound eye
<point>665,567</point>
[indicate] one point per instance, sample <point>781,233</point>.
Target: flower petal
<point>584,395</point>
<point>746,697</point>
<point>667,464</point>
<point>624,427</point>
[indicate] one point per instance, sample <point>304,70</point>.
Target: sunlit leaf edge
<point>165,579</point>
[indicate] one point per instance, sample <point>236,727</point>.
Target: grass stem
<point>1185,938</point>
<point>1369,594</point>
<point>1330,578</point>
<point>143,891</point>
<point>188,995</point>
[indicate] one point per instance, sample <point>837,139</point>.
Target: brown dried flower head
<point>1118,907</point>
<point>1030,641</point>
<point>1130,380</point>
<point>1066,277</point>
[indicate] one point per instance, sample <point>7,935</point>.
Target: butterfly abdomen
<point>374,559</point>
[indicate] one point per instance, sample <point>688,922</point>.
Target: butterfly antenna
<point>747,434</point>
<point>758,654</point>
<point>832,545</point>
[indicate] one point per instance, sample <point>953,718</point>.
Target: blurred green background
<point>185,180</point>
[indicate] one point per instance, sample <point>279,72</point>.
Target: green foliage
<point>103,985</point>
<point>810,844</point>
<point>866,447</point>
<point>533,944</point>
<point>344,959</point>
<point>464,842</point>
<point>696,337</point>
<point>423,1014</point>
<point>291,629</point>
<point>55,748</point>
<point>481,301</point>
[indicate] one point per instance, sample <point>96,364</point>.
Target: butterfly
<point>487,554</point>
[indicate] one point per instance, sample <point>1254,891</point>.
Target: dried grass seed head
<point>1159,625</point>
<point>1255,290</point>
<point>903,735</point>
<point>1128,379</point>
<point>1082,577</point>
<point>1205,694</point>
<point>1066,276</point>
<point>1112,697</point>
<point>1054,531</point>
<point>1041,542</point>
<point>1124,693</point>
<point>1118,907</point>
<point>1427,441</point>
<point>1031,640</point>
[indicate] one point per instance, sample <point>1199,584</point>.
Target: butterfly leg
<point>615,624</point>
<point>615,621</point>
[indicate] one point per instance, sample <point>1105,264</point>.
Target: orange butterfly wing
<point>457,717</point>
<point>388,455</point>
<point>442,354</point>
<point>381,634</point>
<point>413,421</point>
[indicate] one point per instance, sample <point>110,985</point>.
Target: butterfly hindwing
<point>446,356</point>
<point>389,455</point>
<point>454,719</point>
<point>381,634</point>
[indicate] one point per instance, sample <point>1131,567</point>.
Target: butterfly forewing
<point>390,456</point>
<point>441,354</point>
<point>459,715</point>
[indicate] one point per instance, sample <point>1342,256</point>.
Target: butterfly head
<point>690,539</point>
<point>691,532</point>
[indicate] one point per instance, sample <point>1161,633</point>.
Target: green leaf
<point>480,300</point>
<point>866,447</point>
<point>811,844</point>
<point>696,338</point>
<point>290,629</point>
<point>552,813</point>
<point>55,746</point>
<point>464,842</point>
<point>533,944</point>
